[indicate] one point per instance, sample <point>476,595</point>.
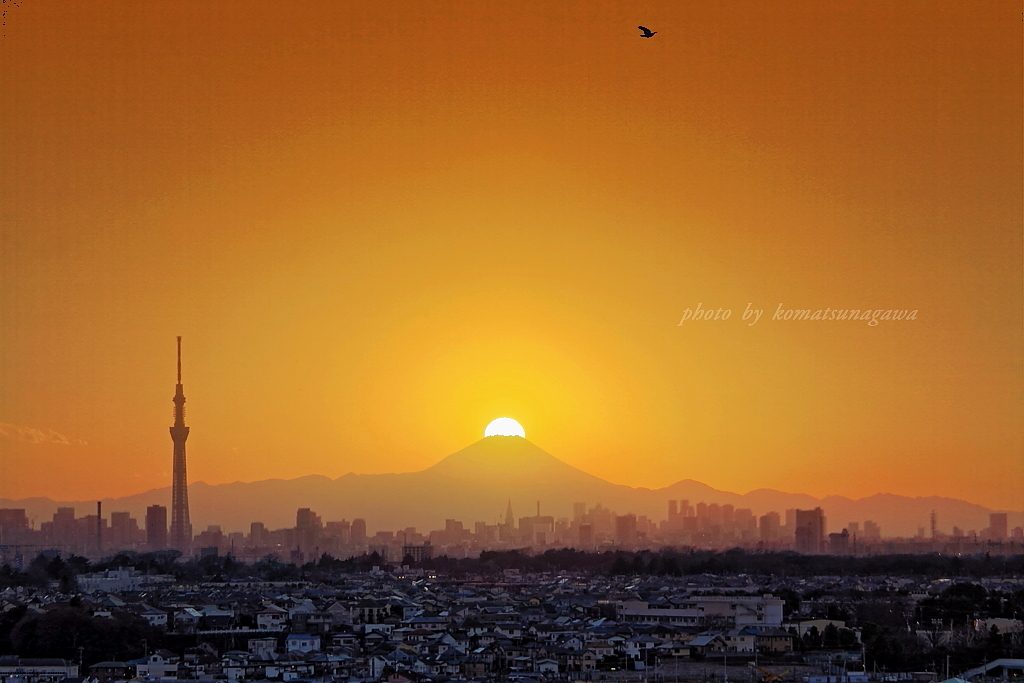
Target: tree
<point>620,566</point>
<point>791,601</point>
<point>60,632</point>
<point>8,620</point>
<point>830,637</point>
<point>847,639</point>
<point>812,639</point>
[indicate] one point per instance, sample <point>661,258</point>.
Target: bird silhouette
<point>647,33</point>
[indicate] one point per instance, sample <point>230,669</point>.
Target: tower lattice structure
<point>180,536</point>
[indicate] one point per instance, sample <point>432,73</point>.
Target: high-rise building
<point>579,511</point>
<point>63,528</point>
<point>997,526</point>
<point>342,531</point>
<point>257,535</point>
<point>715,514</point>
<point>210,540</point>
<point>507,531</point>
<point>307,529</point>
<point>181,526</point>
<point>156,527</point>
<point>728,513</point>
<point>358,532</point>
<point>13,525</point>
<point>790,526</point>
<point>13,519</point>
<point>810,531</point>
<point>418,552</point>
<point>122,528</point>
<point>839,544</point>
<point>769,527</point>
<point>744,521</point>
<point>625,530</point>
<point>674,521</point>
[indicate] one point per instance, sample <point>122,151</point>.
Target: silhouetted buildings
<point>307,530</point>
<point>358,532</point>
<point>156,527</point>
<point>625,530</point>
<point>769,528</point>
<point>124,530</point>
<point>700,527</point>
<point>258,535</point>
<point>417,553</point>
<point>13,520</point>
<point>809,535</point>
<point>997,526</point>
<point>839,544</point>
<point>537,530</point>
<point>586,536</point>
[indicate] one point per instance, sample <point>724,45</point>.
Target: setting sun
<point>504,426</point>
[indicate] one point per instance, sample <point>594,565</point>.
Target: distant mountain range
<point>476,484</point>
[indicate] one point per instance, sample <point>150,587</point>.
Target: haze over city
<point>378,227</point>
<point>462,341</point>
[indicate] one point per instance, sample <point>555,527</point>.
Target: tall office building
<point>579,511</point>
<point>586,533</point>
<point>121,530</point>
<point>358,532</point>
<point>810,531</point>
<point>307,529</point>
<point>181,526</point>
<point>625,530</point>
<point>156,527</point>
<point>769,527</point>
<point>997,526</point>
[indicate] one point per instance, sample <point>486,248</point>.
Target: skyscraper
<point>181,527</point>
<point>810,531</point>
<point>997,526</point>
<point>358,532</point>
<point>307,529</point>
<point>625,530</point>
<point>156,527</point>
<point>579,511</point>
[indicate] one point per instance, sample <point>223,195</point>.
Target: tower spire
<point>181,526</point>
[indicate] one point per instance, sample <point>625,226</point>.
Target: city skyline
<point>592,528</point>
<point>467,484</point>
<point>380,227</point>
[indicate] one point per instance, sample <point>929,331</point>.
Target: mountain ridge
<point>475,484</point>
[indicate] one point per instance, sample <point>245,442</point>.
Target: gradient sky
<point>379,225</point>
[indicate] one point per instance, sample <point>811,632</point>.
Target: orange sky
<point>379,225</point>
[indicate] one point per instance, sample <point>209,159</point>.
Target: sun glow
<point>504,426</point>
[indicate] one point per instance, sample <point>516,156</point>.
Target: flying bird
<point>647,33</point>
